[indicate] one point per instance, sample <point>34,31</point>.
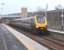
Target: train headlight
<point>37,26</point>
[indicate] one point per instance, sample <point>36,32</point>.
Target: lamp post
<point>2,4</point>
<point>46,10</point>
<point>62,19</point>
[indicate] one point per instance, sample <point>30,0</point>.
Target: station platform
<point>57,31</point>
<point>15,40</point>
<point>8,41</point>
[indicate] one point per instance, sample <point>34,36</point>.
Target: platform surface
<point>8,41</point>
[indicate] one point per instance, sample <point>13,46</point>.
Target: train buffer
<point>14,40</point>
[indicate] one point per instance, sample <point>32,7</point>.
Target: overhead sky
<point>14,6</point>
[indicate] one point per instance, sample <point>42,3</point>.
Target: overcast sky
<point>14,6</point>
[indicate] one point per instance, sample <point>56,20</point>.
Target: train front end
<point>41,24</point>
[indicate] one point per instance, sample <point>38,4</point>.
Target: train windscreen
<point>40,19</point>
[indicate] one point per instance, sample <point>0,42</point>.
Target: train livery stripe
<point>35,20</point>
<point>45,20</point>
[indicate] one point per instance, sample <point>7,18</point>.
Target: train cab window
<point>40,19</point>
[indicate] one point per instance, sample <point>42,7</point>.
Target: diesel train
<point>36,23</point>
<point>40,24</point>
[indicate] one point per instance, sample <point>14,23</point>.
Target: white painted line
<point>29,43</point>
<point>57,31</point>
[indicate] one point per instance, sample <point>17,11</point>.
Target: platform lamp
<point>62,19</point>
<point>46,10</point>
<point>2,4</point>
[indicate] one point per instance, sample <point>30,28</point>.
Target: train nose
<point>40,25</point>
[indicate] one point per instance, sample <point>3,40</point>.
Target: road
<point>8,41</point>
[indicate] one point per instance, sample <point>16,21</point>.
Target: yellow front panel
<point>40,25</point>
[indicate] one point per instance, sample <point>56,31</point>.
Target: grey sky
<point>14,6</point>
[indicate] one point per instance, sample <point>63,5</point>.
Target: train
<point>40,24</point>
<point>37,24</point>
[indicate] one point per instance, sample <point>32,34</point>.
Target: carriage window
<point>40,19</point>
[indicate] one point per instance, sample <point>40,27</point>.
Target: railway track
<point>51,41</point>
